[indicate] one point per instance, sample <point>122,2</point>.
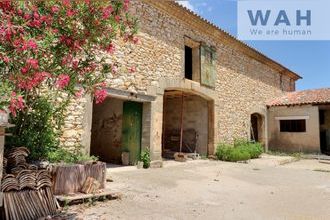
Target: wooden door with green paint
<point>132,126</point>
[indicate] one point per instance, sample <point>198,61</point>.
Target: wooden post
<point>181,125</point>
<point>2,143</point>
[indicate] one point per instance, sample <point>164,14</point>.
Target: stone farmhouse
<point>193,87</point>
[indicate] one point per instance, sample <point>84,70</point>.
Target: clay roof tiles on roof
<point>306,97</point>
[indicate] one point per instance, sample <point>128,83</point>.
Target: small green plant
<point>241,150</point>
<point>145,158</point>
<point>62,155</point>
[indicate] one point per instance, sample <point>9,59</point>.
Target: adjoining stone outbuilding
<point>300,122</point>
<point>188,72</point>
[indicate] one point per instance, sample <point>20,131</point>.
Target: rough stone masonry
<point>245,79</point>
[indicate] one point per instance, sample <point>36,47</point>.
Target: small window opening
<point>293,125</point>
<point>188,62</point>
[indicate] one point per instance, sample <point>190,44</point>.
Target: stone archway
<point>187,123</point>
<point>157,107</point>
<point>258,128</point>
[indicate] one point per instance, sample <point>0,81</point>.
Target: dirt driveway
<point>218,190</point>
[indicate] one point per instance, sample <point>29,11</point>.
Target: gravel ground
<point>261,189</point>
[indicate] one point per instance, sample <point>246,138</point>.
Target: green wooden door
<point>132,126</point>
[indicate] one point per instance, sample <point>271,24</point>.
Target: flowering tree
<point>56,47</point>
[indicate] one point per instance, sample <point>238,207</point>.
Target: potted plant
<point>125,157</point>
<point>145,158</point>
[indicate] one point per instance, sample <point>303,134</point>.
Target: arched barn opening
<point>187,124</point>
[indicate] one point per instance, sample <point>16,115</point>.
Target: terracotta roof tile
<point>316,96</point>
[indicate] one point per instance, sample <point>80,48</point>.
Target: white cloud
<point>186,4</point>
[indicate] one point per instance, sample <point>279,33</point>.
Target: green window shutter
<point>208,66</point>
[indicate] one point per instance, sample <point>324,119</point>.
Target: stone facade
<point>245,78</point>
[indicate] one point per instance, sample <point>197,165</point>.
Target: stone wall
<point>243,83</point>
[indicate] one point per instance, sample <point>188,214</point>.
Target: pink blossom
<point>110,48</point>
<point>126,4</point>
<point>32,44</point>
<point>5,59</point>
<point>24,70</point>
<point>36,15</point>
<point>79,93</point>
<point>19,12</point>
<point>66,3</point>
<point>100,95</point>
<point>16,103</point>
<point>136,40</point>
<point>27,16</point>
<point>107,12</point>
<point>33,63</point>
<point>114,69</point>
<point>55,9</point>
<point>63,81</point>
<point>117,18</point>
<point>75,64</point>
<point>132,69</point>
<point>70,13</point>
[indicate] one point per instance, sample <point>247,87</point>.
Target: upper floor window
<point>188,65</point>
<point>199,63</point>
<point>192,60</point>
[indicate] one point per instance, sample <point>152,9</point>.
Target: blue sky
<point>310,59</point>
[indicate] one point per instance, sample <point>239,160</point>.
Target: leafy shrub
<point>145,158</point>
<point>255,150</point>
<point>238,154</point>
<point>62,155</point>
<point>239,151</point>
<point>35,129</point>
<point>223,151</point>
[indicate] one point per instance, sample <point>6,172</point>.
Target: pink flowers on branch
<point>63,81</point>
<point>50,45</point>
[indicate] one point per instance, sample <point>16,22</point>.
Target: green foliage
<point>241,150</point>
<point>145,158</point>
<point>254,149</point>
<point>62,155</point>
<point>35,129</point>
<point>238,154</point>
<point>5,90</point>
<point>223,151</point>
